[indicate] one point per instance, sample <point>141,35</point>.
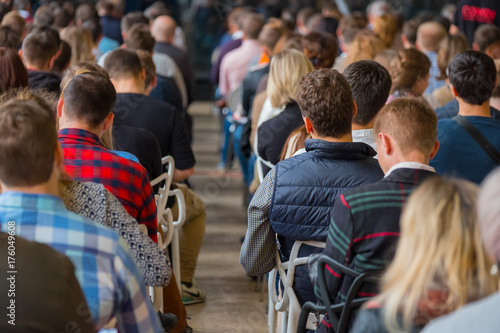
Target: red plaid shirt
<point>87,161</point>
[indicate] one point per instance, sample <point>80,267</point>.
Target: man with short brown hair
<point>364,222</point>
<point>295,198</point>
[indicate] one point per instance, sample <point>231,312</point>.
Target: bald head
<point>429,34</point>
<point>163,29</point>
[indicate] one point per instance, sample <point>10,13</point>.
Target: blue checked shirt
<point>107,273</point>
<point>258,252</point>
<point>434,72</point>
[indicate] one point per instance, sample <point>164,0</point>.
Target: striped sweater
<point>364,228</point>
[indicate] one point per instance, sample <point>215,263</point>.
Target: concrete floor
<point>232,304</point>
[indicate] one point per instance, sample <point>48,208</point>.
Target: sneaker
<point>192,294</point>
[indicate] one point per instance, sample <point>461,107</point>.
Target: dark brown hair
<point>325,98</point>
<point>89,97</point>
<point>122,63</point>
<point>410,122</point>
<point>13,74</point>
<point>28,140</point>
<point>9,38</point>
<point>85,65</point>
<point>147,63</point>
<point>40,46</point>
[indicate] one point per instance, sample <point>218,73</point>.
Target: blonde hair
<point>365,46</point>
<point>81,43</point>
<point>385,28</point>
<point>287,68</point>
<point>407,67</point>
<point>440,248</point>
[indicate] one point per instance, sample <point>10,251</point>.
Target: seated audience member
<point>349,26</point>
<point>39,51</point>
<point>44,16</point>
<point>320,48</point>
<point>234,66</point>
<point>429,35</point>
<point>487,40</point>
<point>365,46</point>
<point>163,31</point>
<point>104,268</point>
<point>135,109</point>
<point>85,111</point>
<point>466,138</point>
<point>17,23</point>
<point>51,277</point>
<point>409,32</point>
<point>479,316</point>
<point>13,74</point>
<point>332,163</point>
<point>111,25</point>
<point>303,15</point>
<point>439,218</point>
<point>83,13</point>
<point>385,28</point>
<point>284,115</point>
<point>80,40</point>
<point>370,84</point>
<point>9,38</point>
<point>410,74</point>
<point>448,48</point>
<point>365,221</point>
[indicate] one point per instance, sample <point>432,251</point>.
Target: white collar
<point>410,165</point>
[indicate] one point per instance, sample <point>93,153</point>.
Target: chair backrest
<point>340,323</point>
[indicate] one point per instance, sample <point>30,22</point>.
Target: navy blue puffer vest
<point>305,190</point>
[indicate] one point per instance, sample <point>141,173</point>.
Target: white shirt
<point>366,136</point>
<point>410,165</point>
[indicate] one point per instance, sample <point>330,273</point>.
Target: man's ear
<point>453,91</point>
<point>108,121</point>
<point>309,127</point>
<point>434,150</point>
<point>143,74</point>
<point>355,109</point>
<point>21,53</point>
<point>386,143</point>
<point>53,59</point>
<point>475,47</point>
<point>60,106</point>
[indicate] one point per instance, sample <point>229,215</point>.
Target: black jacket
<point>44,80</point>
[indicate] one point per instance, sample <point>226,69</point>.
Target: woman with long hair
<point>13,74</point>
<point>440,262</point>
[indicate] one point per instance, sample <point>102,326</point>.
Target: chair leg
<point>176,261</point>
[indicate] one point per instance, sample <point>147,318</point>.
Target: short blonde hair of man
<point>440,248</point>
<point>287,68</point>
<point>410,122</point>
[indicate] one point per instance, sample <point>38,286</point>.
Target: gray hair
<point>379,8</point>
<point>488,208</point>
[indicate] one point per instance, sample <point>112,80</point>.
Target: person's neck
<point>79,125</point>
<point>345,138</point>
<point>129,86</point>
<point>495,103</point>
<point>50,187</point>
<point>413,156</point>
<point>357,127</point>
<point>31,67</point>
<point>466,109</point>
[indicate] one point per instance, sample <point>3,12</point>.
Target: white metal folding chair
<point>288,306</point>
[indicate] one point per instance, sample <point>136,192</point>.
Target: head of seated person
<point>320,48</point>
<point>410,73</point>
<point>44,16</point>
<point>370,84</point>
<point>325,99</point>
<point>29,144</point>
<point>439,218</point>
<point>17,23</point>
<point>385,28</point>
<point>9,38</point>
<point>429,34</point>
<point>472,77</point>
<point>126,72</point>
<point>13,74</point>
<point>129,20</point>
<point>365,46</point>
<point>448,48</point>
<point>286,70</point>
<point>348,28</point>
<point>405,131</point>
<point>40,48</point>
<point>44,99</point>
<point>87,103</point>
<point>139,38</point>
<point>487,40</point>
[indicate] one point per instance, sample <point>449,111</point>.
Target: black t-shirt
<point>141,143</point>
<point>161,119</point>
<point>471,14</point>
